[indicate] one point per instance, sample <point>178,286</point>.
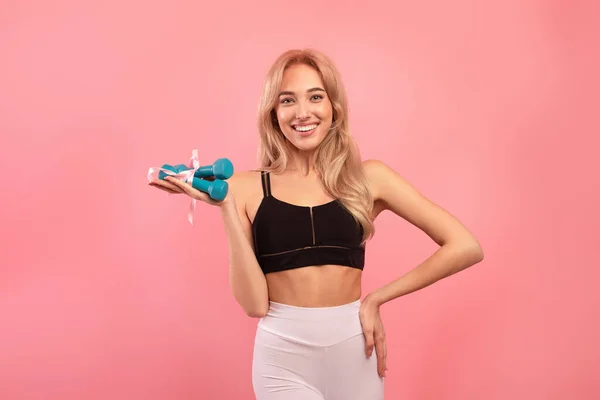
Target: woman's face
<point>304,111</point>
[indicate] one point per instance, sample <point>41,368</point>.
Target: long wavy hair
<point>337,159</point>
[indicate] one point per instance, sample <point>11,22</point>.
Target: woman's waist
<point>317,326</point>
<point>315,286</point>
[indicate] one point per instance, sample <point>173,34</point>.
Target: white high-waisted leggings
<point>313,354</point>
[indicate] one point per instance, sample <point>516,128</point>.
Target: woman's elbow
<point>254,308</point>
<point>474,251</point>
<point>256,312</point>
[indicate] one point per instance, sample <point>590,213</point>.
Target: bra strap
<point>266,183</point>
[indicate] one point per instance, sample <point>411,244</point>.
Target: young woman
<point>296,232</point>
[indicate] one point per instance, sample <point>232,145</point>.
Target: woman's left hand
<point>374,333</point>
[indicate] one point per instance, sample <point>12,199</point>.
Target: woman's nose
<point>302,111</point>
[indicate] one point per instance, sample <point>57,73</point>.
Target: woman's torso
<point>310,285</point>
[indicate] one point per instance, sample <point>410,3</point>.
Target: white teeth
<point>305,128</point>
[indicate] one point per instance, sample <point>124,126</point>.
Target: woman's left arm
<point>458,250</point>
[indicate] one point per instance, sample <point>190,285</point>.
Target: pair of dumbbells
<point>220,170</point>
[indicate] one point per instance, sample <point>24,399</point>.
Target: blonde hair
<point>337,158</point>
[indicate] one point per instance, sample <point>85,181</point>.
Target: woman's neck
<point>302,162</point>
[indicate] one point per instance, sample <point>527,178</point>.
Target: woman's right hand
<point>165,186</point>
<point>177,186</point>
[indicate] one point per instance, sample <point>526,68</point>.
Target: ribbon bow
<point>186,176</point>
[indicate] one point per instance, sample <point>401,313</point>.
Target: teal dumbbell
<point>220,169</point>
<point>181,167</point>
<point>216,189</point>
<point>177,169</point>
<point>162,175</point>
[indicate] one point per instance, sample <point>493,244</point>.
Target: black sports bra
<point>288,236</point>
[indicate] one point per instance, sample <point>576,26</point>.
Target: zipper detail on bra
<point>312,225</point>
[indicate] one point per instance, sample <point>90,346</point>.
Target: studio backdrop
<point>107,292</point>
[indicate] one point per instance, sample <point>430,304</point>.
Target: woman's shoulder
<point>376,172</point>
<point>373,166</point>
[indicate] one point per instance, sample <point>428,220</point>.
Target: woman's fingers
<point>167,186</point>
<point>381,351</point>
<point>190,191</point>
<point>182,186</point>
<point>163,188</point>
<point>177,186</point>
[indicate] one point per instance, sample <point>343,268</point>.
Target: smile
<point>306,128</point>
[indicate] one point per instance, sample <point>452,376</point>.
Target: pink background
<point>106,291</point>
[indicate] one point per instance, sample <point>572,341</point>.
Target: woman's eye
<point>317,97</point>
<point>284,101</point>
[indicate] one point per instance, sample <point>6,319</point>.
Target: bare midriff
<point>315,286</point>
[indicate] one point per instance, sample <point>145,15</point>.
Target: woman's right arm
<point>246,279</point>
